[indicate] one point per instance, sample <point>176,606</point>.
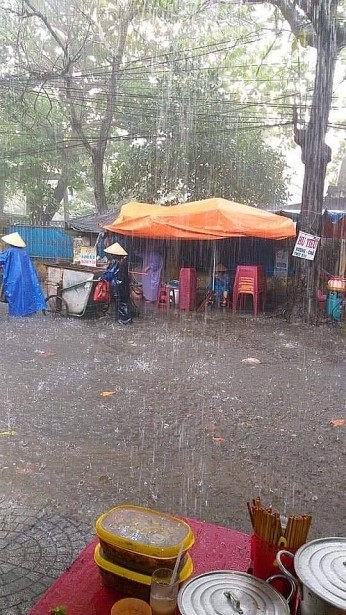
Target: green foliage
<point>33,153</point>
<point>299,39</point>
<point>193,84</point>
<point>198,144</point>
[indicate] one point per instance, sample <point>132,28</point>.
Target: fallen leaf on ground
<point>251,361</point>
<point>107,393</point>
<point>25,470</point>
<point>210,427</point>
<point>338,422</point>
<point>8,433</point>
<point>219,440</point>
<point>105,478</point>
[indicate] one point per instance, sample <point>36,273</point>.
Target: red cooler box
<point>187,288</point>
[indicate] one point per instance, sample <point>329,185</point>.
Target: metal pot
<point>227,592</point>
<point>320,566</point>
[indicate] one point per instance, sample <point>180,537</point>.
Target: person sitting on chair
<point>222,284</point>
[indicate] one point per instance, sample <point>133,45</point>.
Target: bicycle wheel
<point>56,306</point>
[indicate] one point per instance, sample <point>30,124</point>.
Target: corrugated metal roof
<point>93,222</point>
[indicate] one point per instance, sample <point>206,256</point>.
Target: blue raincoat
<point>21,285</point>
<point>222,283</point>
<point>117,274</point>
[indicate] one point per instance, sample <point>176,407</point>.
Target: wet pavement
<point>163,413</point>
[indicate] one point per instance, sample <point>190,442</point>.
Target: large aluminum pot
<point>320,566</point>
<point>228,592</point>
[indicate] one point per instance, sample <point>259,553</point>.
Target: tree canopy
<point>163,101</point>
<point>201,145</point>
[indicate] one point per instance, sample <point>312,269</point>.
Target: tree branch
<point>64,47</point>
<point>76,124</point>
<point>61,187</point>
<point>341,36</point>
<point>299,24</point>
<point>112,89</point>
<point>307,7</point>
<point>36,13</point>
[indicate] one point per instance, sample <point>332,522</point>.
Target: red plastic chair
<point>187,288</point>
<point>164,297</point>
<point>249,280</point>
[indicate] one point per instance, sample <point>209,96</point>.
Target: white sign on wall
<point>88,256</point>
<point>306,246</point>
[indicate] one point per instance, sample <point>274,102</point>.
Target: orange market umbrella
<point>200,220</point>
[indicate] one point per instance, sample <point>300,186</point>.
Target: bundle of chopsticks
<point>268,525</point>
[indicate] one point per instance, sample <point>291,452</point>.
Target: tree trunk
<point>60,189</point>
<point>315,155</point>
<point>97,158</point>
<point>66,206</point>
<point>2,197</point>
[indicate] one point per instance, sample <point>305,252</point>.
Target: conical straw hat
<point>14,239</point>
<point>221,267</point>
<point>116,248</point>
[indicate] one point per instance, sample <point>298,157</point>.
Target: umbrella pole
<point>214,265</point>
<point>342,259</point>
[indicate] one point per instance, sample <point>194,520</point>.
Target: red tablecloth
<point>81,590</point>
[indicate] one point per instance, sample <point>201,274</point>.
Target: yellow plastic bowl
<point>131,606</point>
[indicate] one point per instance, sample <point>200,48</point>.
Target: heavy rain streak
<point>173,273</point>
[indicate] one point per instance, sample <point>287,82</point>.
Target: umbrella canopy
<point>200,220</point>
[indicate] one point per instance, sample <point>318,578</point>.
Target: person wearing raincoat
<point>117,274</point>
<point>21,286</point>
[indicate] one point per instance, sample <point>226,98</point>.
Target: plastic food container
<point>143,539</point>
<point>131,606</point>
<point>337,283</point>
<point>130,582</point>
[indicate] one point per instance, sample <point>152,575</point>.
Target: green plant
<point>59,610</point>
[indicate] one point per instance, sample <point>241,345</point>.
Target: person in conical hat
<point>117,274</point>
<point>116,249</point>
<point>14,239</point>
<point>220,268</point>
<point>20,287</point>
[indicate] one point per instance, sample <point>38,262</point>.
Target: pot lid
<point>321,566</point>
<point>228,592</point>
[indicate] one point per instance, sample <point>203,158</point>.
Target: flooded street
<point>185,154</point>
<point>164,413</point>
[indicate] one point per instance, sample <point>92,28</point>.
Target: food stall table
<point>81,590</point>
